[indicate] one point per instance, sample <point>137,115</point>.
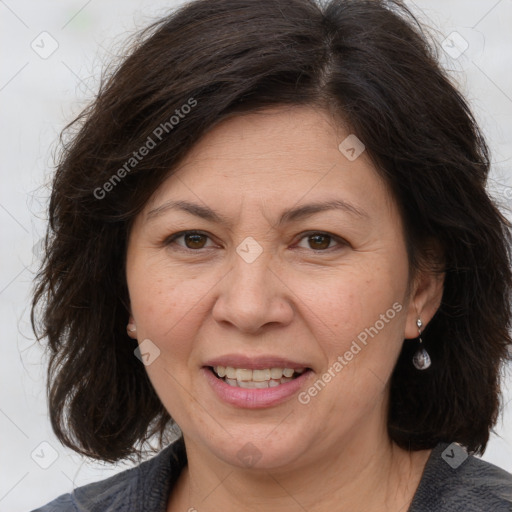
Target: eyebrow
<point>290,215</point>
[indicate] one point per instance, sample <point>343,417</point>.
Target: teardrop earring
<point>421,359</point>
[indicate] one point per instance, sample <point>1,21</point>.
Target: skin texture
<point>302,299</point>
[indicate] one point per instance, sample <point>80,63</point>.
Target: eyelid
<point>340,241</point>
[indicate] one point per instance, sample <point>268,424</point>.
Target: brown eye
<point>192,240</point>
<point>321,241</point>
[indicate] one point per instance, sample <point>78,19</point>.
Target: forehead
<point>280,156</point>
<point>288,139</point>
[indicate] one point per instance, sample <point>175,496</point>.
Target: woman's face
<point>299,264</point>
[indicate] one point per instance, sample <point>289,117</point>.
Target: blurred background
<point>52,56</point>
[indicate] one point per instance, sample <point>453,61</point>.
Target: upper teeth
<point>243,374</point>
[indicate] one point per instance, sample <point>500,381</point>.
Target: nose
<point>253,296</point>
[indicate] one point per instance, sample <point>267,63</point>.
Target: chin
<point>258,449</point>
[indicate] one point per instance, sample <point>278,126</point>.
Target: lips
<point>256,382</point>
<point>248,397</point>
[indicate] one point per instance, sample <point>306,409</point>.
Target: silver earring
<point>421,359</point>
<point>131,328</point>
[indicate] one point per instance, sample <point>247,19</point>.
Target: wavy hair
<point>369,60</point>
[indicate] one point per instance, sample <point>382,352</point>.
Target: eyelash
<point>172,238</point>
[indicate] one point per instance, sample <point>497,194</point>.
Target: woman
<point>272,227</point>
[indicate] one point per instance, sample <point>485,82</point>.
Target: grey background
<point>38,96</point>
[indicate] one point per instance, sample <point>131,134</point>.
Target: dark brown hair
<point>370,61</point>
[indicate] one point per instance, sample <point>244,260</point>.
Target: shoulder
<point>455,481</point>
<point>145,486</point>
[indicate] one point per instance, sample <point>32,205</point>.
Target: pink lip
<point>254,362</point>
<point>254,398</point>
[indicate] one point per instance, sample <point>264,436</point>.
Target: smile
<point>244,390</point>
<point>256,379</point>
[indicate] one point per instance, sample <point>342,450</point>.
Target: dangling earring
<point>421,359</point>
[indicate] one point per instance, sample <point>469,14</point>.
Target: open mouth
<point>256,379</point>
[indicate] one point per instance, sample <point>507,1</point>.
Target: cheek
<point>169,306</point>
<point>153,287</point>
<point>358,325</point>
<point>349,302</point>
<point>167,311</point>
<point>163,307</point>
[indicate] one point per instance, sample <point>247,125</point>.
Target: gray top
<point>452,481</point>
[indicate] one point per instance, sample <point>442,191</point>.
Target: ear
<point>131,328</point>
<point>426,295</point>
